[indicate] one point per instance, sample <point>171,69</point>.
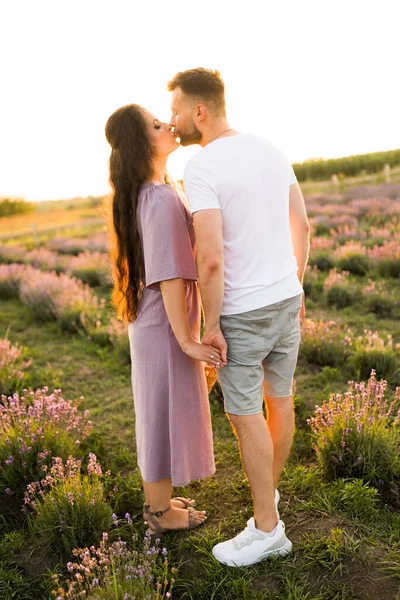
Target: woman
<point>156,292</point>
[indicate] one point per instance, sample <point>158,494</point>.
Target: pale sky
<point>319,78</point>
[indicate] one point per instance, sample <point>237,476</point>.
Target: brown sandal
<point>186,504</point>
<point>153,521</point>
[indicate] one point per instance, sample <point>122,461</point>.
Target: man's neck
<point>217,130</point>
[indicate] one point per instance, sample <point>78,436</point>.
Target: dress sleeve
<point>167,248</point>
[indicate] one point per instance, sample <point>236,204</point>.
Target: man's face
<point>182,120</point>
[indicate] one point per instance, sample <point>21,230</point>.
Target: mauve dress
<point>173,423</point>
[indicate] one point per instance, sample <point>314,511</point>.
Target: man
<point>252,237</point>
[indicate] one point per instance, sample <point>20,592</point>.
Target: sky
<point>318,78</point>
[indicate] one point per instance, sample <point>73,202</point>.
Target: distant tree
<point>348,166</point>
<point>14,206</point>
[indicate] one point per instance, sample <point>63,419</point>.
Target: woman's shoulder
<point>161,193</point>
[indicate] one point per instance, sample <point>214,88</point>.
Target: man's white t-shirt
<point>248,179</point>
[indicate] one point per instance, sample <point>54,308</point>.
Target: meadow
<point>70,492</point>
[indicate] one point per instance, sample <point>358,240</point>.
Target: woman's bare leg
<point>176,503</point>
<point>158,495</point>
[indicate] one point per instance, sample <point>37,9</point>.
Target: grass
<point>346,543</point>
<point>345,546</point>
<point>22,224</point>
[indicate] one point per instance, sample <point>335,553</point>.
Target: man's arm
<point>210,268</point>
<point>300,230</point>
<point>173,294</point>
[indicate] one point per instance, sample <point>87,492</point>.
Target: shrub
<point>357,264</point>
<point>389,268</point>
<point>337,287</point>
<point>12,367</point>
<point>325,343</point>
<point>35,427</point>
<point>12,254</point>
<point>387,257</point>
<point>371,352</point>
<point>10,279</point>
<point>334,278</point>
<point>92,268</point>
<point>322,243</point>
<point>310,279</point>
<point>51,297</point>
<point>117,571</point>
<point>352,257</point>
<point>14,206</point>
<point>322,260</point>
<point>379,300</point>
<point>322,228</point>
<point>69,509</point>
<point>340,296</point>
<point>383,307</point>
<point>42,258</point>
<point>357,435</point>
<point>93,243</point>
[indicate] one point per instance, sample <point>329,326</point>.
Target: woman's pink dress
<point>173,424</point>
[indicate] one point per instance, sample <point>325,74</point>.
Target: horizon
<point>307,77</point>
<point>306,160</point>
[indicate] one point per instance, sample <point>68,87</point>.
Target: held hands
<point>216,339</point>
<point>204,352</point>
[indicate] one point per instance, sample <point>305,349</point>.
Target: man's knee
<point>283,404</point>
<point>243,423</point>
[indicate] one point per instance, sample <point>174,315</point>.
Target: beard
<point>190,136</point>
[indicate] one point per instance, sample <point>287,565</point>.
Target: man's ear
<point>200,112</point>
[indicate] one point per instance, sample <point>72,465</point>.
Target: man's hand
<point>216,339</point>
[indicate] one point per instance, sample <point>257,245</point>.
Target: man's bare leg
<point>281,425</point>
<point>257,452</point>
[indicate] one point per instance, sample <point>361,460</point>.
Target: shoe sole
<point>284,551</point>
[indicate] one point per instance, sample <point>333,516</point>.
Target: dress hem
<point>174,484</point>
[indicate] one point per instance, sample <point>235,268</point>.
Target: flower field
<point>70,492</point>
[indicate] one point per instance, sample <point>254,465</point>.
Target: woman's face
<point>162,135</point>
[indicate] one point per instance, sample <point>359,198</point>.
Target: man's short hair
<point>202,84</point>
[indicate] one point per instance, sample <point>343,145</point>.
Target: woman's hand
<point>203,352</point>
<point>217,340</point>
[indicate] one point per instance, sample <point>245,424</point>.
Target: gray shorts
<point>263,344</point>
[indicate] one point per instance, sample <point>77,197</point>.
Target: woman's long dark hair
<point>130,164</point>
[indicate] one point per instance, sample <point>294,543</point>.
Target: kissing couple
<point>234,244</point>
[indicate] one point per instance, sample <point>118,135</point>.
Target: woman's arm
<point>173,294</point>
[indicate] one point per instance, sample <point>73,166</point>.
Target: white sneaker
<point>252,545</point>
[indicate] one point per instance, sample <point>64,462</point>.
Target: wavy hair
<point>130,165</point>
